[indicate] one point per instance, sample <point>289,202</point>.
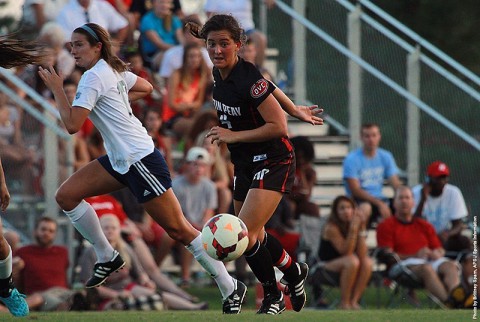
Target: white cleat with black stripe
<point>101,271</point>
<point>296,290</point>
<point>272,304</point>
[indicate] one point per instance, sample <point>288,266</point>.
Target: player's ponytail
<point>17,52</point>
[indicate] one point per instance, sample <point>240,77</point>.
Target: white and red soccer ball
<point>225,237</point>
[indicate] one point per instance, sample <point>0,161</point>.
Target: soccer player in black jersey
<point>254,127</point>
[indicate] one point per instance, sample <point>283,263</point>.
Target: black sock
<point>260,261</point>
<point>280,258</point>
<point>6,285</point>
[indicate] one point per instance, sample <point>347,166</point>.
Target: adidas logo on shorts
<point>146,193</point>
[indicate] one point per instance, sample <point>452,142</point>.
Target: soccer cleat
<point>272,304</point>
<point>233,303</point>
<point>101,271</point>
<point>296,290</point>
<point>16,303</point>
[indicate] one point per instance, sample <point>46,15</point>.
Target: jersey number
<point>123,90</point>
<point>224,120</point>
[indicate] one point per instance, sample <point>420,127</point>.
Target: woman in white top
<point>103,95</point>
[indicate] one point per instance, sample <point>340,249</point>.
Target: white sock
<point>6,265</point>
<point>215,268</point>
<point>85,220</point>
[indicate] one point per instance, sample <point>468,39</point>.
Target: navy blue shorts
<point>147,178</point>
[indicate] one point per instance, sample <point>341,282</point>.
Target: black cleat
<point>296,290</point>
<point>272,304</point>
<point>233,303</point>
<point>101,271</point>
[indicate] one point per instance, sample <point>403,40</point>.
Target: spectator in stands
<point>442,205</point>
<point>108,205</point>
<point>18,159</point>
<point>197,196</point>
<point>305,179</point>
<point>282,226</point>
<point>242,11</point>
<point>415,242</point>
<point>344,251</point>
<point>152,233</point>
<point>249,52</point>
<point>36,13</point>
<point>364,171</point>
<point>218,171</point>
<point>160,30</point>
<point>173,57</point>
<point>153,123</point>
<point>42,270</point>
<point>205,119</point>
<point>186,91</point>
<point>53,36</point>
<point>79,12</point>
<point>135,61</point>
<point>123,287</point>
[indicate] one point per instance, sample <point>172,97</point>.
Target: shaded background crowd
<point>151,37</point>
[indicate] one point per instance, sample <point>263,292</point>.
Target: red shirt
<point>407,238</point>
<point>106,204</point>
<point>44,267</point>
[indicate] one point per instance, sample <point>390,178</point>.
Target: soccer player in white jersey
<point>103,95</point>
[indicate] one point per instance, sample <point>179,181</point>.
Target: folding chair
<point>402,281</point>
<point>320,279</point>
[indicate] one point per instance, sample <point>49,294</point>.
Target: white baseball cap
<point>198,154</point>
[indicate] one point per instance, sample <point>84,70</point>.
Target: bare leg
<point>431,280</point>
<point>450,275</point>
<point>186,264</point>
<point>348,267</point>
<point>361,282</point>
<point>162,281</point>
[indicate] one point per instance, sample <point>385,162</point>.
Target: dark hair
<point>44,219</point>
<point>217,23</point>
<point>369,126</point>
<point>69,81</point>
<point>130,53</point>
<point>17,52</point>
<point>103,37</point>
<point>302,144</point>
<point>335,219</point>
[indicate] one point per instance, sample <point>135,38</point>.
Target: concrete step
<point>329,172</point>
<point>326,150</point>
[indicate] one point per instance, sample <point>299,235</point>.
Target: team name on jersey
<point>229,110</point>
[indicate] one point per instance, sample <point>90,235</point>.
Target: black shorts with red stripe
<point>275,173</point>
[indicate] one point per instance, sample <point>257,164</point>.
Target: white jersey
<point>441,210</point>
<point>104,92</point>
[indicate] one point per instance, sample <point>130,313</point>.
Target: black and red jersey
<point>236,100</point>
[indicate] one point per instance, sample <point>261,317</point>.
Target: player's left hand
<point>220,135</point>
<point>4,197</point>
<point>309,114</point>
<point>50,77</point>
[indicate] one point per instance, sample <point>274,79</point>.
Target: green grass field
<point>374,303</point>
<point>249,315</point>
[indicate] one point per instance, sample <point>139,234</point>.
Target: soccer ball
<point>225,237</point>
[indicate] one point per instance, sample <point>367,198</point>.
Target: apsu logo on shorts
<point>259,88</point>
